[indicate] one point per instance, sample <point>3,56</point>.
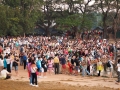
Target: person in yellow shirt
<point>99,67</point>
<point>56,64</point>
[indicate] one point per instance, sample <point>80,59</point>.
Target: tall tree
<point>104,6</point>
<point>77,15</point>
<point>116,17</point>
<point>21,15</point>
<point>46,19</point>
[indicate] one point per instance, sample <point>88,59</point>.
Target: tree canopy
<point>23,16</point>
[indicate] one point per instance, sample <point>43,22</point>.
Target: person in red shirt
<point>70,67</point>
<point>111,55</point>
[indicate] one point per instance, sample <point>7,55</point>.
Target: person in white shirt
<point>5,74</point>
<point>118,69</point>
<point>8,60</point>
<point>111,67</point>
<point>1,64</point>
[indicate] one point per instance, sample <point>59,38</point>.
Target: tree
<point>47,17</point>
<point>76,16</point>
<point>116,17</point>
<point>104,7</point>
<point>21,16</point>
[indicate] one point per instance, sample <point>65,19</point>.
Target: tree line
<point>18,17</point>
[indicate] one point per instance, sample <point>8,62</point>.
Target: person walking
<point>15,65</point>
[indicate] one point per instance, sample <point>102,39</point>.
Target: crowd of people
<point>60,55</point>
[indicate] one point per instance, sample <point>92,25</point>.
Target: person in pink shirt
<point>50,65</point>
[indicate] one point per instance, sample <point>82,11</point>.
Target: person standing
<point>111,67</point>
<point>44,66</point>
<point>15,65</point>
<point>50,65</point>
<point>12,60</point>
<point>8,63</point>
<point>56,64</point>
<point>99,67</point>
<point>33,73</point>
<point>39,66</point>
<point>24,60</point>
<point>118,70</point>
<point>77,66</point>
<point>63,62</point>
<point>1,64</point>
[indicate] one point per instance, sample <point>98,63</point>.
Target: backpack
<point>108,64</point>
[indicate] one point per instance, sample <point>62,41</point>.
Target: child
<point>70,67</point>
<point>50,66</point>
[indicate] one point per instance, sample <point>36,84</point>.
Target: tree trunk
<point>76,32</point>
<point>115,29</point>
<point>24,35</point>
<point>105,28</point>
<point>47,31</point>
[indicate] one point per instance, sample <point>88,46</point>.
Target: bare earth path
<point>71,80</point>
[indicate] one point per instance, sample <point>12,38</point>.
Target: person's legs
<point>30,78</point>
<point>87,72</point>
<point>50,70</point>
<point>88,69</point>
<point>76,70</point>
<point>8,68</point>
<point>1,67</point>
<point>118,76</point>
<point>21,62</point>
<point>7,77</point>
<point>24,64</point>
<point>63,69</point>
<point>111,71</point>
<point>45,70</point>
<point>57,68</point>
<point>11,65</point>
<point>99,73</point>
<point>33,78</point>
<point>83,71</point>
<point>16,70</point>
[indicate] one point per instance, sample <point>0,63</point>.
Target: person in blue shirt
<point>24,57</point>
<point>39,67</point>
<point>5,63</point>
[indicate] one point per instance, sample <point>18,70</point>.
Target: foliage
<point>75,20</point>
<point>22,16</point>
<point>17,17</point>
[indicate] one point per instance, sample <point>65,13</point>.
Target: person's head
<point>38,58</point>
<point>4,68</point>
<point>118,60</point>
<point>8,55</point>
<point>56,55</point>
<point>32,62</point>
<point>29,60</point>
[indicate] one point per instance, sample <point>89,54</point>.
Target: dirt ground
<point>58,82</point>
<point>19,85</point>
